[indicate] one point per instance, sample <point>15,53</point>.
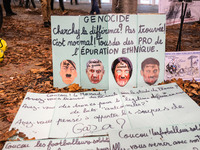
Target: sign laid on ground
<point>35,115</point>
<point>86,143</point>
<point>66,115</point>
<point>185,65</point>
<point>176,137</point>
<point>93,114</point>
<point>108,51</point>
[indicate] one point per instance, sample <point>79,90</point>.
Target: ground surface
<point>28,61</point>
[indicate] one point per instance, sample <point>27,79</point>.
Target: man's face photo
<point>95,71</point>
<point>68,71</point>
<point>122,74</point>
<point>150,73</point>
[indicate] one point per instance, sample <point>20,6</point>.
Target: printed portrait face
<point>95,71</point>
<point>68,71</point>
<point>122,75</point>
<point>150,73</point>
<point>122,70</point>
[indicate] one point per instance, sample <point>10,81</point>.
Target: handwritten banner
<point>35,115</point>
<point>110,114</point>
<point>104,51</point>
<point>124,48</point>
<point>63,115</point>
<point>89,113</point>
<point>159,105</point>
<point>92,143</point>
<point>174,137</point>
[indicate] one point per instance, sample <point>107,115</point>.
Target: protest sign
<point>88,113</point>
<point>122,58</point>
<point>68,111</point>
<point>109,49</point>
<point>176,137</point>
<point>35,115</point>
<point>62,115</point>
<point>92,143</point>
<point>151,49</point>
<point>173,9</point>
<point>183,65</point>
<point>110,112</point>
<point>159,105</point>
<point>65,45</point>
<point>94,51</point>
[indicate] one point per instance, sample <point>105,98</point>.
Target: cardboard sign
<point>93,52</point>
<point>159,105</point>
<point>84,114</point>
<point>123,57</point>
<point>92,143</point>
<point>35,115</point>
<point>63,115</point>
<point>108,51</point>
<point>185,65</point>
<point>176,137</point>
